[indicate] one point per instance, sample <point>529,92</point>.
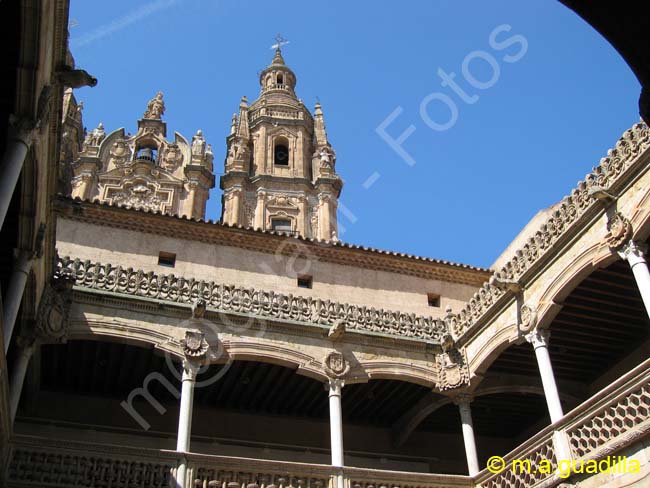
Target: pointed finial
<point>244,102</point>
<point>233,124</point>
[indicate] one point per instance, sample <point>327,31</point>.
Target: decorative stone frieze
<point>633,142</point>
<point>267,304</point>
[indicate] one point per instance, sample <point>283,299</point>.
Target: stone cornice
<point>108,215</point>
<point>565,222</point>
<point>258,303</point>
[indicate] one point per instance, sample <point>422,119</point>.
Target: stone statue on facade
<point>198,144</point>
<point>155,107</point>
<point>95,137</point>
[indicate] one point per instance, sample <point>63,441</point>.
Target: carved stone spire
<point>243,130</point>
<point>233,124</point>
<point>320,135</point>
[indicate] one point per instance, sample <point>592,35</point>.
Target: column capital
<point>633,252</point>
<point>22,129</point>
<point>334,386</point>
<point>463,400</point>
<point>538,337</point>
<point>191,369</point>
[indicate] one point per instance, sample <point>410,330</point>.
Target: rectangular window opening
<point>167,259</point>
<point>433,300</point>
<point>281,225</point>
<point>305,281</point>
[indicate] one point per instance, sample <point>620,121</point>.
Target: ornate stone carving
<point>453,370</point>
<point>198,309</point>
<point>313,221</point>
<point>95,137</point>
<point>633,142</point>
<point>281,200</point>
<point>326,160</point>
<point>172,157</point>
<point>119,153</point>
<point>538,337</point>
<point>335,365</point>
<point>194,345</point>
<point>155,107</point>
<point>87,468</point>
<point>198,144</point>
<point>138,196</point>
<point>337,331</point>
<point>249,213</point>
<point>261,303</point>
<point>619,231</point>
<point>527,318</point>
<point>53,309</point>
<point>633,252</point>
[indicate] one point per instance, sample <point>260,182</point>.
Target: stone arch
<point>98,329</point>
<point>281,355</point>
<point>384,370</point>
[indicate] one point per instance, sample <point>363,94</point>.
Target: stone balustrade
<point>615,417</point>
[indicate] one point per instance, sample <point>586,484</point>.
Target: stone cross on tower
<point>279,42</point>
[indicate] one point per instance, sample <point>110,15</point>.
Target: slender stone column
<point>334,387</point>
<point>463,402</point>
<point>15,294</point>
<point>190,370</point>
<point>336,422</point>
<point>634,254</point>
<point>18,376</point>
<point>539,340</point>
<point>18,143</point>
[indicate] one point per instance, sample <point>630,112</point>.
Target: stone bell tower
<point>280,168</point>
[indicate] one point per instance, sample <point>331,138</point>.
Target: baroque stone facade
<point>142,171</point>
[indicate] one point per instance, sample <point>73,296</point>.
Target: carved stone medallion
<point>619,231</point>
<point>194,345</point>
<point>335,365</point>
<point>528,318</point>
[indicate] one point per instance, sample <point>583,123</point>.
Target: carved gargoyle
<point>74,78</point>
<point>337,331</point>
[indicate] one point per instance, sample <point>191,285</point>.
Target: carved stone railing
<point>629,147</point>
<point>265,304</point>
<point>614,418</point>
<point>39,462</point>
<point>374,478</point>
<point>228,472</point>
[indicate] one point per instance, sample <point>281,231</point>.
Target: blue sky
<point>538,99</point>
